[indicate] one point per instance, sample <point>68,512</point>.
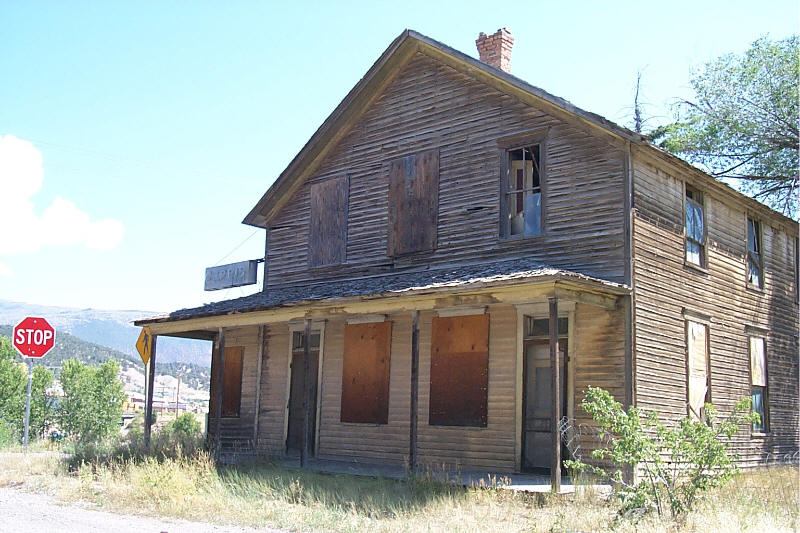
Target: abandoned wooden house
<point>456,255</point>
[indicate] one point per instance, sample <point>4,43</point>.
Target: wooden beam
<point>412,437</point>
<point>148,407</point>
<point>262,340</point>
<point>220,384</point>
<point>306,391</point>
<point>555,453</point>
<point>265,281</point>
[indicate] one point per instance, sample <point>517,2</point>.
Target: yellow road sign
<point>145,344</point>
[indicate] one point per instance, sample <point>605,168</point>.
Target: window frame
<point>703,265</point>
<point>759,241</point>
<point>765,419</point>
<point>506,146</point>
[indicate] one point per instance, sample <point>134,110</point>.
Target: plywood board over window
<point>327,237</point>
<point>459,371</point>
<point>365,373</point>
<point>413,203</point>
<point>232,382</point>
<point>697,340</point>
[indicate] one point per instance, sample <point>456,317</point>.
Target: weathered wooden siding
<point>274,388</point>
<point>432,106</point>
<point>599,361</point>
<point>665,288</point>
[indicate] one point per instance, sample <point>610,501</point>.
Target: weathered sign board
<point>232,275</point>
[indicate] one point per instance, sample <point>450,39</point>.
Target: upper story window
<point>413,203</point>
<point>695,228</point>
<point>523,192</point>
<point>755,259</point>
<point>327,234</point>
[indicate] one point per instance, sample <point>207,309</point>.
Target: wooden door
<point>294,437</point>
<point>537,402</point>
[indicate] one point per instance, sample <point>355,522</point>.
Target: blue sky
<point>135,136</point>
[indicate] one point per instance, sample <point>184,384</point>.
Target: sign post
<point>33,337</point>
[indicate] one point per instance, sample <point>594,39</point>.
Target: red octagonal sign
<point>34,337</point>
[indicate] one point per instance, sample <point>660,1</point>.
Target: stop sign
<point>33,337</point>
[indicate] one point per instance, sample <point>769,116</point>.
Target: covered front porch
<point>450,376</point>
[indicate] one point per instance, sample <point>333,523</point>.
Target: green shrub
<point>677,464</point>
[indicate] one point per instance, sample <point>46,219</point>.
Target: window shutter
<point>327,237</point>
<point>413,203</point>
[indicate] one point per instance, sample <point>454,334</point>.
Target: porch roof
<point>423,281</point>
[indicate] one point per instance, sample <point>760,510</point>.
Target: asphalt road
<point>38,513</point>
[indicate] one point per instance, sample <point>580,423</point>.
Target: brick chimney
<point>495,50</point>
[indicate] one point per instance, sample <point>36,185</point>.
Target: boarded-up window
<point>758,381</point>
<point>327,237</point>
<point>232,382</point>
<point>459,371</point>
<point>365,373</point>
<point>413,203</point>
<point>698,383</point>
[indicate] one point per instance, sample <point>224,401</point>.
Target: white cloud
<point>5,270</point>
<point>61,223</point>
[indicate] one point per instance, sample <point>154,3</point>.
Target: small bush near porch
<point>268,495</point>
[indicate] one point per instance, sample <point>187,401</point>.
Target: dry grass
<point>264,494</point>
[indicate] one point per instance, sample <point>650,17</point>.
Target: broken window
<point>413,203</point>
<point>231,382</point>
<point>365,373</point>
<point>523,192</point>
<point>754,257</point>
<point>327,235</point>
<point>758,381</point>
<point>698,378</point>
<point>459,371</point>
<point>695,228</point>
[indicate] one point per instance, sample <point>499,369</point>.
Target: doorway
<point>537,394</point>
<point>294,432</point>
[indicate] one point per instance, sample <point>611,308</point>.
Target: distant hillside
<point>68,346</point>
<point>113,329</point>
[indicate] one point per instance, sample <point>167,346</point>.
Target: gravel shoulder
<point>40,513</point>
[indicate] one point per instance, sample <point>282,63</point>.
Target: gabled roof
<point>390,63</point>
<point>372,85</point>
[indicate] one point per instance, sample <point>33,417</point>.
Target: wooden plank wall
<point>432,106</point>
<point>599,353</point>
<point>274,390</point>
<point>664,287</point>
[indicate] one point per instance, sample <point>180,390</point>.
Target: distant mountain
<point>68,347</point>
<point>113,329</point>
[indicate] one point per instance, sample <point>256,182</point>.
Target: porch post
<point>148,406</point>
<point>220,385</point>
<point>412,440</point>
<point>262,339</point>
<point>306,391</point>
<point>555,455</point>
